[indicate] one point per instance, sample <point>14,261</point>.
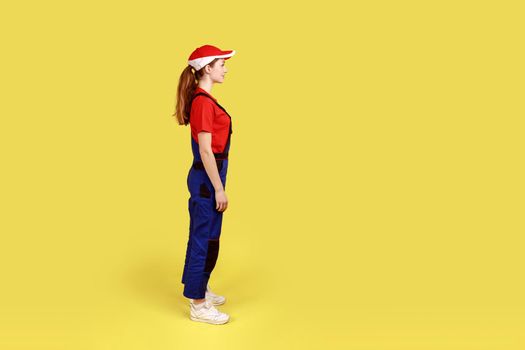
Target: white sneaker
<point>214,298</point>
<point>206,312</point>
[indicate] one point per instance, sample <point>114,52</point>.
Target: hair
<point>188,82</point>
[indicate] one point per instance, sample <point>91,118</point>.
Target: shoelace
<point>208,305</point>
<point>212,310</point>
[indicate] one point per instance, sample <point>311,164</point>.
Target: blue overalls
<point>205,220</point>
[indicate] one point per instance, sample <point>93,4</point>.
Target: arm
<point>208,159</point>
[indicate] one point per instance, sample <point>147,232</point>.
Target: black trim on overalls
<point>212,254</point>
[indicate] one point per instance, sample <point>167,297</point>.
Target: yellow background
<point>375,186</point>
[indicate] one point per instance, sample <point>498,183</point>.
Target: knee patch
<point>212,254</point>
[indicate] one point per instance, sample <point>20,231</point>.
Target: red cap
<point>203,55</point>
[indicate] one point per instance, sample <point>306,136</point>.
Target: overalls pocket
<point>204,191</point>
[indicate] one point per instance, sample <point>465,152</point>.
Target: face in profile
<point>218,71</point>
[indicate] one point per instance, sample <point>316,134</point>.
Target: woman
<point>211,129</point>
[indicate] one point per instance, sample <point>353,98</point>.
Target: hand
<point>222,200</point>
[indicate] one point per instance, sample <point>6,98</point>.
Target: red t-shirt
<point>205,115</point>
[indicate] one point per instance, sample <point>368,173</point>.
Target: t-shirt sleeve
<point>202,115</point>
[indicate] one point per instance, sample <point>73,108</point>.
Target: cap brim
<point>226,54</point>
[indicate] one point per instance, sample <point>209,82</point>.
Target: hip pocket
<point>204,191</point>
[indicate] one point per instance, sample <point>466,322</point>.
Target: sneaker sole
<point>208,321</point>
